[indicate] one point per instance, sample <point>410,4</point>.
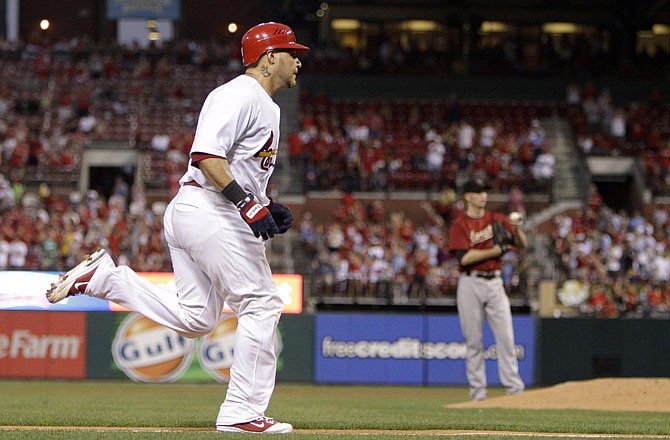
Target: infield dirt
<point>610,394</point>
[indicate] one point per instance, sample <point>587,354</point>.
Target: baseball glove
<point>502,236</point>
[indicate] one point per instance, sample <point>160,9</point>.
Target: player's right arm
<point>474,256</point>
<point>217,171</point>
<point>459,246</point>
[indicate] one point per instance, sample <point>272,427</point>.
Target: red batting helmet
<point>267,36</point>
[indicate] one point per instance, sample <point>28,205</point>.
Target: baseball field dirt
<point>608,394</point>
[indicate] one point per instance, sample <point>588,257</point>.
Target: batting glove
<point>281,215</point>
<point>258,217</point>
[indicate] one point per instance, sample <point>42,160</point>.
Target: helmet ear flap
<point>267,36</point>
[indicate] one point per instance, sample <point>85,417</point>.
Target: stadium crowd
<point>379,145</point>
<point>56,100</point>
<point>43,231</point>
<point>369,256</point>
<point>603,126</point>
<point>623,260</point>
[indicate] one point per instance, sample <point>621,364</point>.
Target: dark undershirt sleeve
<point>458,253</point>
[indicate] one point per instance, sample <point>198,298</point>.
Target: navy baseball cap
<point>475,186</point>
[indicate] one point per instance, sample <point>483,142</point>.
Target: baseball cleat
<point>75,281</point>
<point>262,425</point>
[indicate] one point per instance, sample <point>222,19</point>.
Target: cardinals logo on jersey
<point>267,154</point>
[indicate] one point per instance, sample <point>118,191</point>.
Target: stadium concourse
<point>59,101</point>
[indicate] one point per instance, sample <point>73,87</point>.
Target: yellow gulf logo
<point>149,352</point>
<point>216,350</point>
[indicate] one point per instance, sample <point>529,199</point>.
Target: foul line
<point>464,433</point>
<point>362,432</point>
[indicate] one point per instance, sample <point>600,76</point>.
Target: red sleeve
<point>458,237</point>
<point>197,157</point>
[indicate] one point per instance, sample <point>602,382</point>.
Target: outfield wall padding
<point>589,348</point>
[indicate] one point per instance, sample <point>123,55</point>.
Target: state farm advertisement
<point>39,344</point>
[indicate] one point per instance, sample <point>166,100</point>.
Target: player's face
<point>477,199</point>
<point>289,66</point>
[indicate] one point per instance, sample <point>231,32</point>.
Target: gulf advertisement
<point>407,349</point>
<point>147,352</point>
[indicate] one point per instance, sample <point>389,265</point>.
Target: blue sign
<point>149,9</point>
<point>368,348</point>
<point>411,349</point>
<point>446,362</point>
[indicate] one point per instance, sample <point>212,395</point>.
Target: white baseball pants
<point>215,258</point>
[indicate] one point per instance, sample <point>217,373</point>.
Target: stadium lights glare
<point>419,25</point>
<point>660,29</point>
<point>560,28</point>
<point>345,24</point>
<point>491,27</point>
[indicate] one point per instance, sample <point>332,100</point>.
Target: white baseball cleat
<point>262,425</point>
<point>75,281</point>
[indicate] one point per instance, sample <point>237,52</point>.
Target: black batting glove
<point>281,215</point>
<point>258,217</point>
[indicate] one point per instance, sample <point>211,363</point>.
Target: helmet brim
<point>299,48</point>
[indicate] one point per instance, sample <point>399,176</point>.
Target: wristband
<point>234,192</point>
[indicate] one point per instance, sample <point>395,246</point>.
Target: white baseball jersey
<point>238,121</point>
<point>215,255</point>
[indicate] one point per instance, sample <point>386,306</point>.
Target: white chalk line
<point>362,432</point>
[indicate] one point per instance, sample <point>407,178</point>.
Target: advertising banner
<point>38,344</point>
<point>445,351</point>
<point>150,9</point>
<point>420,349</point>
<point>22,290</point>
<point>369,348</point>
<point>147,352</point>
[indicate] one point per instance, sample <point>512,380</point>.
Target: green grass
<point>320,407</point>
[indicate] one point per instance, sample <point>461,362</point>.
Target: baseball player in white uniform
<point>215,228</point>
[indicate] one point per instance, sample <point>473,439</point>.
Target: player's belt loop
<point>481,274</point>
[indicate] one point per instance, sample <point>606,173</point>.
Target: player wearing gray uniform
<point>480,293</point>
<point>215,227</point>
